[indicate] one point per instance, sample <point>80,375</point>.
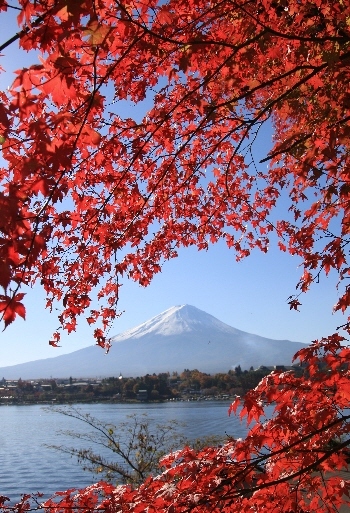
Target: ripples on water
<point>27,466</point>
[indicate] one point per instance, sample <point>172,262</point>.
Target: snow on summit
<point>165,323</point>
<point>176,320</point>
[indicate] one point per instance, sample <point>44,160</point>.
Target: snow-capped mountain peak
<point>176,320</point>
<point>182,337</point>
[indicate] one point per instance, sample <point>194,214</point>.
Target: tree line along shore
<point>187,385</point>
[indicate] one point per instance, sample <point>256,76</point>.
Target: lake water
<point>28,466</point>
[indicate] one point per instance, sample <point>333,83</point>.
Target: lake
<point>28,466</point>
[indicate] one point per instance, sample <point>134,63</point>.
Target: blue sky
<point>250,295</point>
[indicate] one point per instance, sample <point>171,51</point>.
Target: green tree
<point>238,370</point>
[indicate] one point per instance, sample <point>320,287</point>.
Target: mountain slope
<point>181,337</point>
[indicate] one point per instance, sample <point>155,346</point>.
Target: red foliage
<point>88,195</point>
<point>10,307</point>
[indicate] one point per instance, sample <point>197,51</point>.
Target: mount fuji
<point>182,337</point>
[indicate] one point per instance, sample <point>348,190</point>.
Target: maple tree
<point>89,195</point>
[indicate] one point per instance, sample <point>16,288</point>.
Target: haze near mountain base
<point>182,337</point>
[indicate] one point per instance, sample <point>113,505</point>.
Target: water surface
<point>28,466</point>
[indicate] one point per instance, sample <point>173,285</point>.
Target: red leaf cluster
<point>89,195</point>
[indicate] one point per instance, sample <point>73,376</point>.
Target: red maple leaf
<point>10,307</point>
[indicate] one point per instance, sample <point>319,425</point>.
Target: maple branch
<point>301,140</point>
<point>302,471</point>
<point>38,215</point>
<point>14,7</point>
<point>251,123</point>
<point>193,42</point>
<point>182,147</point>
<point>283,35</point>
<point>192,135</point>
<point>26,30</point>
<point>251,467</point>
<point>287,149</point>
